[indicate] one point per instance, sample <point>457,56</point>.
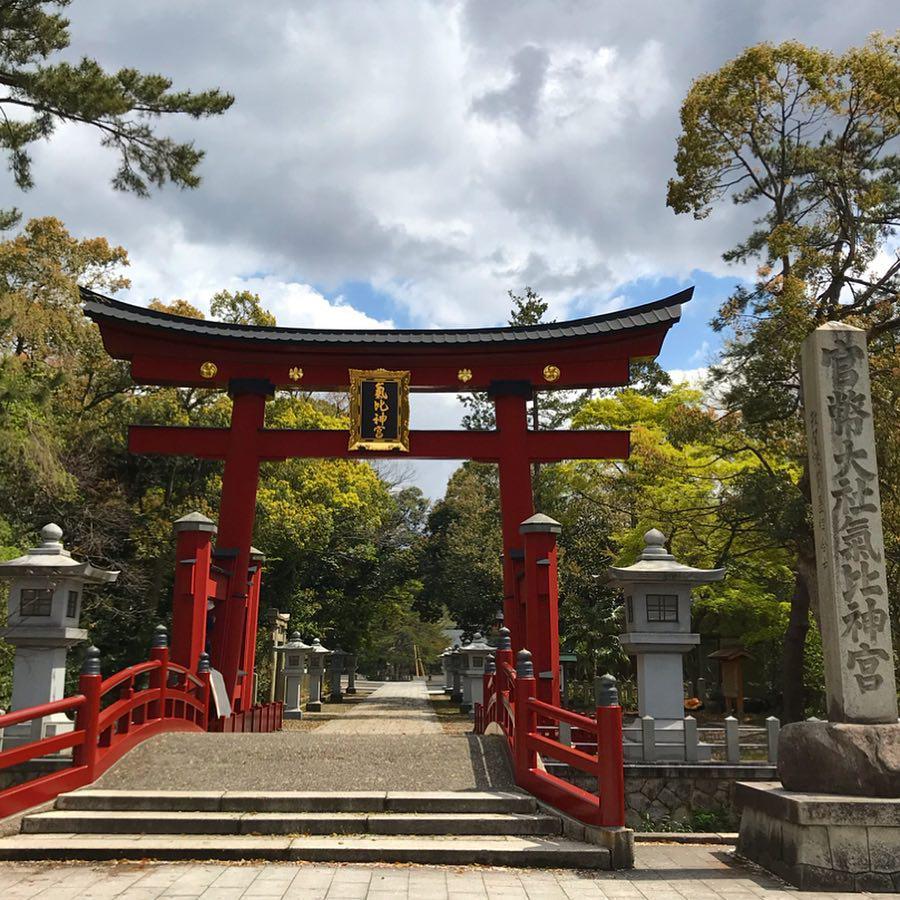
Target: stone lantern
<point>335,670</point>
<point>456,694</point>
<point>292,668</point>
<point>472,659</point>
<point>657,592</point>
<point>447,668</point>
<point>317,656</point>
<point>45,594</point>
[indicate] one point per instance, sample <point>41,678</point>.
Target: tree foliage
<point>808,140</point>
<point>343,547</point>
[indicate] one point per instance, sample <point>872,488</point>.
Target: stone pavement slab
<point>663,872</point>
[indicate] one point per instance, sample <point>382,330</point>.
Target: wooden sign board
<point>379,410</point>
<point>219,693</point>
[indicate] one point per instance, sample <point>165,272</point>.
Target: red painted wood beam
<point>483,446</point>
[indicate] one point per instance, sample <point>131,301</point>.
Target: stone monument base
<point>821,842</point>
<point>858,760</point>
<point>292,714</point>
<point>314,706</point>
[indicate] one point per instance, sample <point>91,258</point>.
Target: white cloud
<point>442,151</point>
<point>693,377</point>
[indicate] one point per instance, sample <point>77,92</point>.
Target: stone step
<point>313,823</point>
<point>552,852</point>
<point>299,801</point>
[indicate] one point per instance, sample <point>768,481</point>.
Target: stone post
<point>279,633</point>
<point>853,597</point>
<point>335,670</point>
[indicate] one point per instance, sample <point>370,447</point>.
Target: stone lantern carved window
<point>72,605</point>
<point>35,601</point>
<point>662,607</point>
<point>478,662</point>
<point>629,607</point>
<point>294,661</point>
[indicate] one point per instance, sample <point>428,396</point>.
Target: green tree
<point>461,568</point>
<point>41,93</point>
<point>807,139</point>
<point>343,549</point>
<point>240,308</point>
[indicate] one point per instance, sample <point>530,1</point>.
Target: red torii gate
<point>251,362</point>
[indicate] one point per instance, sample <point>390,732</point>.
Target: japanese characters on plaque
<point>379,410</point>
<point>850,563</point>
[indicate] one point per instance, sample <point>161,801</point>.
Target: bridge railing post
<point>88,717</point>
<point>501,688</point>
<point>488,681</point>
<point>526,720</point>
<point>159,678</point>
<point>610,753</point>
<point>203,673</point>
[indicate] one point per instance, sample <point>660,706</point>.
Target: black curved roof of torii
<point>661,312</point>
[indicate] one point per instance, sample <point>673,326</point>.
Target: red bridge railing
<point>112,715</point>
<point>532,730</point>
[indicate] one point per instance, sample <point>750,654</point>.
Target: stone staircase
<point>502,828</point>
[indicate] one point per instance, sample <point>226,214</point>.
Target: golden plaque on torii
<point>379,410</point>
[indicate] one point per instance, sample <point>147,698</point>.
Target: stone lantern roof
<point>476,645</point>
<point>317,647</point>
<point>294,644</point>
<point>657,564</point>
<point>50,558</point>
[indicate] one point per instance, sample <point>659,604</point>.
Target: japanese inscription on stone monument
<point>850,563</point>
<point>379,410</point>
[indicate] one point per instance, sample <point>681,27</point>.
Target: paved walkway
<point>397,707</point>
<point>663,872</point>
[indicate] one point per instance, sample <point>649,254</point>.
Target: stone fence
<point>731,742</point>
<point>662,795</point>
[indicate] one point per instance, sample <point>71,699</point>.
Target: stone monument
<point>657,592</point>
<point>833,822</point>
<point>45,595</point>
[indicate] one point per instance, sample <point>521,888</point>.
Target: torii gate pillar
<point>516,500</point>
<point>237,512</point>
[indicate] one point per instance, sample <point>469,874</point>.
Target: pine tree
<point>41,94</point>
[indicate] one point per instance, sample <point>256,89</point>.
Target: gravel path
<point>397,707</point>
<point>390,741</point>
<point>312,761</point>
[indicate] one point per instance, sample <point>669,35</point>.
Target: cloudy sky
<point>406,163</point>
